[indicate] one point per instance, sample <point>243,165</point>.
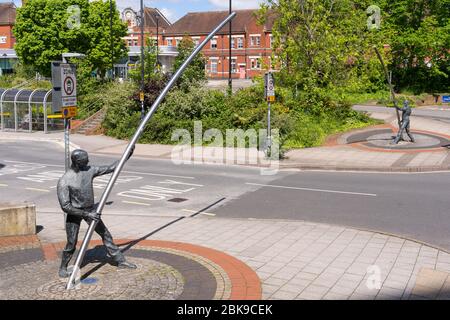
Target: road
<point>410,205</point>
<point>436,113</point>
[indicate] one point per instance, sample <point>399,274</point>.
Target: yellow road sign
<point>271,98</point>
<point>69,112</point>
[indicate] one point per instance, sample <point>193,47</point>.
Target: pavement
<point>247,258</point>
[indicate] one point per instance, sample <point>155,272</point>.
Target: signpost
<point>269,95</point>
<point>64,98</point>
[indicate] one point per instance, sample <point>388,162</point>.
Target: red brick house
<point>7,19</point>
<point>251,43</point>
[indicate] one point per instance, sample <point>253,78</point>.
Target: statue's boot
<point>63,273</point>
<point>126,265</point>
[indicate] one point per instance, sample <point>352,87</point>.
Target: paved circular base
<point>166,271</point>
<point>383,139</point>
<point>38,280</point>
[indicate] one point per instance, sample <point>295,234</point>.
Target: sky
<point>175,9</point>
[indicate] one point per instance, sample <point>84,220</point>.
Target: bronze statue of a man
<point>76,197</point>
<point>406,112</point>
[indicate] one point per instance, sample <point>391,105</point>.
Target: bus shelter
<point>28,110</point>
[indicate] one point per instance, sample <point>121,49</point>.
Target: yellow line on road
<point>36,189</point>
<point>139,203</point>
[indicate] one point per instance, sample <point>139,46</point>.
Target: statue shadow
<point>99,254</point>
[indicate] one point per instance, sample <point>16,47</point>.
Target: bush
<point>304,119</point>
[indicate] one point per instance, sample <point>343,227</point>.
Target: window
<point>255,41</point>
<point>3,39</point>
<point>130,43</point>
<point>214,44</point>
<point>255,63</point>
<point>135,42</point>
<point>270,41</point>
<point>196,41</point>
<point>232,43</point>
<point>177,42</point>
<point>240,43</point>
<point>213,65</point>
<point>169,42</point>
<point>233,65</point>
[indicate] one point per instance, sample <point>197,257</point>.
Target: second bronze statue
<point>405,124</point>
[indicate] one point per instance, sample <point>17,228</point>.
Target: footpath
<point>202,257</point>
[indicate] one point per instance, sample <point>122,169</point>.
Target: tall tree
<point>323,43</point>
<point>421,46</point>
<point>45,29</point>
<point>195,72</point>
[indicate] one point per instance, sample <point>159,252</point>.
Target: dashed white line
<point>3,185</point>
<point>313,190</point>
<point>138,203</point>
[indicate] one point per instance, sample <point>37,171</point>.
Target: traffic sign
<point>446,99</point>
<point>269,86</point>
<point>69,85</point>
<point>69,112</point>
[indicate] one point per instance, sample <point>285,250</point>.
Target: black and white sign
<point>69,86</point>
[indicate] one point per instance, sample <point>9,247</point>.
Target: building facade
<point>251,43</point>
<point>155,25</point>
<point>7,55</point>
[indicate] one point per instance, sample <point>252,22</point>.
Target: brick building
<point>7,19</point>
<point>251,43</point>
<point>8,56</point>
<point>153,20</point>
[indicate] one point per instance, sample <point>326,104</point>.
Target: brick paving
<point>289,259</point>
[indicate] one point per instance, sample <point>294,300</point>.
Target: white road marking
<point>3,185</point>
<point>138,203</point>
<point>36,189</point>
<point>134,172</point>
<point>204,213</point>
<point>314,190</point>
<point>159,175</point>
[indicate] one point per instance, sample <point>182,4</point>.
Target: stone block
<point>17,219</point>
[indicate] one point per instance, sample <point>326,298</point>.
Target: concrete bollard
<point>17,219</point>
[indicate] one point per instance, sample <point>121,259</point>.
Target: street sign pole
<point>131,144</point>
<point>66,143</point>
<point>269,94</point>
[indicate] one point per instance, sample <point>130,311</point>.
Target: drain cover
<point>177,200</point>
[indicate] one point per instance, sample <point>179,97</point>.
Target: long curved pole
<point>388,79</point>
<point>139,131</point>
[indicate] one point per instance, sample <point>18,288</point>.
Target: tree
<point>98,31</point>
<point>195,72</point>
<point>45,29</point>
<point>421,46</point>
<point>150,68</point>
<point>323,44</point>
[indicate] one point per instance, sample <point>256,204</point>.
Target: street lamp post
<point>157,41</point>
<point>141,94</point>
<point>230,82</point>
<point>112,36</point>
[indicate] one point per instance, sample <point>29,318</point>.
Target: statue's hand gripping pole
<point>391,88</point>
<point>131,144</point>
